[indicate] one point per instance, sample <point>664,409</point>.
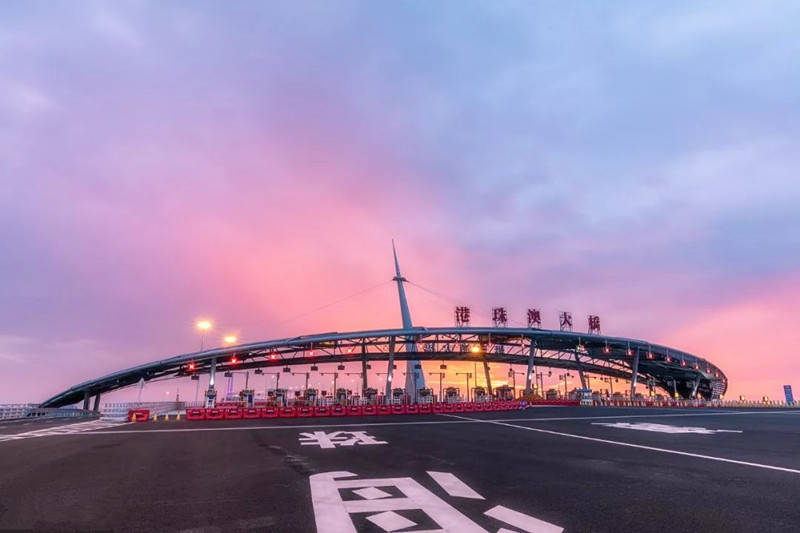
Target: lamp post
<point>441,377</point>
<point>203,326</point>
<point>513,375</point>
<point>469,376</point>
<point>564,377</point>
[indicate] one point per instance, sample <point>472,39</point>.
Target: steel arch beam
<point>598,354</point>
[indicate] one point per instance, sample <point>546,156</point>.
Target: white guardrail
<point>15,411</point>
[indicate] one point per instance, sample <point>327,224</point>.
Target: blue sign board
<point>787,390</point>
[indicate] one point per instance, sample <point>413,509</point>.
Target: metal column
<point>580,370</point>
<point>488,377</point>
<point>96,403</point>
<point>531,369</point>
<point>363,366</point>
<point>389,371</point>
<point>213,373</point>
<point>85,399</point>
<point>695,387</point>
<point>635,372</point>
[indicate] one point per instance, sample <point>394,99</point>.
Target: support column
<point>213,373</point>
<point>363,367</point>
<point>96,403</point>
<point>488,377</point>
<point>531,369</point>
<point>635,373</point>
<point>85,399</point>
<point>580,370</point>
<point>390,371</point>
<point>695,387</point>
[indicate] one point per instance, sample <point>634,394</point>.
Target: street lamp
<point>469,376</point>
<point>513,375</point>
<point>203,326</point>
<point>441,377</point>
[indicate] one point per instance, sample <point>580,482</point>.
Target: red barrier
<point>438,408</point>
<point>398,409</point>
<point>195,413</point>
<point>449,408</point>
<point>305,411</point>
<point>232,413</point>
<point>338,410</point>
<point>384,409</point>
<point>469,407</point>
<point>369,410</point>
<point>287,412</point>
<point>479,407</point>
<point>270,412</point>
<point>354,410</point>
<point>412,409</point>
<point>322,410</point>
<point>458,408</point>
<point>425,409</point>
<point>138,415</point>
<point>214,414</point>
<point>251,413</point>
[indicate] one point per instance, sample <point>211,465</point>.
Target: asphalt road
<point>566,467</point>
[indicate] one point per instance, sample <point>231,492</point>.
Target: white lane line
<point>305,426</point>
<point>606,417</point>
<point>522,521</point>
<point>461,420</point>
<point>454,486</point>
<point>639,446</point>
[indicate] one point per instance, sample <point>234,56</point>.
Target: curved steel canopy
<point>674,371</point>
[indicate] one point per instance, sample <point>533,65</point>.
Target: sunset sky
<point>251,161</point>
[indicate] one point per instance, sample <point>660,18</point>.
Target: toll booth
<point>479,394</point>
<point>584,395</point>
<point>452,395</point>
<point>504,393</point>
<point>341,396</point>
<point>211,398</point>
<point>310,396</point>
<point>551,394</point>
<point>398,396</point>
<point>279,396</point>
<point>425,395</point>
<point>370,395</point>
<point>247,397</point>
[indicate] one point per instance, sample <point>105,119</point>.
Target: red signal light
<point>234,360</point>
<point>192,366</point>
<point>273,356</point>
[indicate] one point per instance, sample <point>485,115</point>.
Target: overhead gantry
<point>675,371</point>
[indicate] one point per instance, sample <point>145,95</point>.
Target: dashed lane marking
<point>639,446</point>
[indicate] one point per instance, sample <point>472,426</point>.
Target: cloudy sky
<point>251,162</point>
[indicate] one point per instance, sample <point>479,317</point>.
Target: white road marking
<point>454,486</point>
<point>524,522</point>
<point>338,438</point>
<point>431,422</point>
<point>390,521</point>
<point>332,513</point>
<point>663,428</point>
<point>67,429</point>
<point>639,446</point>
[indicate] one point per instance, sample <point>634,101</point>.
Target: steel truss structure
<point>676,372</point>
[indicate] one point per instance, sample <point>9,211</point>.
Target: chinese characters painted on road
<point>393,504</point>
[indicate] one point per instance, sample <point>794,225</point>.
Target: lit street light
<point>203,326</point>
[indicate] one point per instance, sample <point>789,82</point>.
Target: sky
<point>251,162</point>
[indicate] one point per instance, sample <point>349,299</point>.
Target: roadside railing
<point>32,410</point>
<point>119,411</point>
